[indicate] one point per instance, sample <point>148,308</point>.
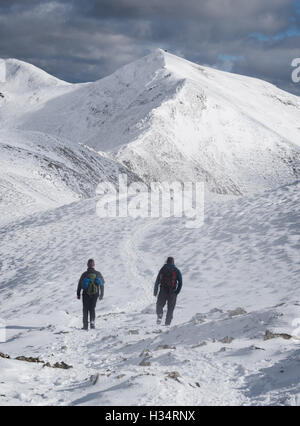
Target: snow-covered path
<point>214,353</point>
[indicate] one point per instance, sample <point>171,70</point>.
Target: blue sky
<point>80,40</point>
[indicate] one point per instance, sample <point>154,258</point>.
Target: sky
<point>80,41</point>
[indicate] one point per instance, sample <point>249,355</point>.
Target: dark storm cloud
<point>84,40</point>
<point>227,17</point>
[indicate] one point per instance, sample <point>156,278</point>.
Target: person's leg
<point>161,301</point>
<point>85,303</point>
<point>172,297</point>
<point>93,310</point>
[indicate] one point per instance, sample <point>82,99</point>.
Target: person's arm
<point>179,281</point>
<point>157,282</point>
<point>101,292</point>
<point>79,287</point>
<point>100,276</point>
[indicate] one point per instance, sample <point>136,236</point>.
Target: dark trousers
<point>89,306</point>
<point>166,295</point>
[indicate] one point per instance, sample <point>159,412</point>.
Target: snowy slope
<point>167,118</point>
<point>24,87</point>
<point>163,118</point>
<point>246,256</point>
<point>39,171</point>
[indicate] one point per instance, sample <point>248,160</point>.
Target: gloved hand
<point>78,297</point>
<point>155,294</point>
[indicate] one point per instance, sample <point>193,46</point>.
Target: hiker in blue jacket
<point>91,284</point>
<point>170,281</point>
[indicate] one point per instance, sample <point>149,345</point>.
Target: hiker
<point>90,283</point>
<point>170,280</point>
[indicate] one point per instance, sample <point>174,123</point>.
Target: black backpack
<point>168,277</point>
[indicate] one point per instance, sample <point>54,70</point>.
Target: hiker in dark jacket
<point>92,285</point>
<point>170,281</point>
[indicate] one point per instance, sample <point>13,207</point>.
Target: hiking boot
<point>84,328</point>
<point>158,321</point>
<point>92,326</point>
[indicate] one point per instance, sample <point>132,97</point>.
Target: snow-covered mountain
<point>39,171</point>
<point>166,118</point>
<point>235,334</point>
<point>24,87</point>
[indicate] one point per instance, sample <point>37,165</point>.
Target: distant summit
<point>166,118</point>
<point>24,76</point>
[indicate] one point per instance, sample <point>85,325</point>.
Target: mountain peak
<point>165,117</point>
<point>24,75</point>
<point>159,53</point>
<point>163,57</point>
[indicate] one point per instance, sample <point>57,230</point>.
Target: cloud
<point>81,41</point>
<point>224,16</point>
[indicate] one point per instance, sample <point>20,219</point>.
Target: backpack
<point>91,284</point>
<point>169,276</point>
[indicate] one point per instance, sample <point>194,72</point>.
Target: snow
<point>25,88</point>
<point>166,118</point>
<point>237,259</point>
<point>39,171</point>
<point>240,269</point>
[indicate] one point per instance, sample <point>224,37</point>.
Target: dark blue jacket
<point>178,280</point>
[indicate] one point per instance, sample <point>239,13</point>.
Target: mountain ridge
<point>164,118</point>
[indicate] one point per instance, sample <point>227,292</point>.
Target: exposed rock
<point>145,353</point>
<point>199,318</point>
<point>256,348</point>
<point>133,332</point>
<point>215,311</point>
<point>4,356</point>
<point>120,376</point>
<point>49,327</point>
<point>236,312</point>
<point>145,362</point>
<point>37,360</point>
<point>62,365</point>
<point>199,345</point>
<point>173,375</point>
<point>269,335</point>
<point>30,359</point>
<point>94,379</point>
<point>226,339</point>
<point>145,374</point>
<point>161,347</point>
